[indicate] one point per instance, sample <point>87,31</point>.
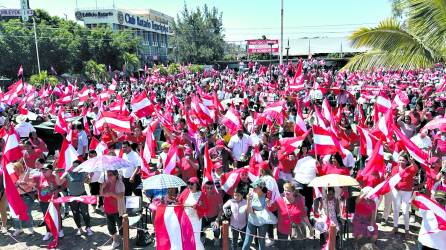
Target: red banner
<point>262,46</point>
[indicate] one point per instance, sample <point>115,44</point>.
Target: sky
<point>250,19</point>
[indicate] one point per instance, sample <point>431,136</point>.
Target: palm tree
<point>131,61</point>
<point>417,42</point>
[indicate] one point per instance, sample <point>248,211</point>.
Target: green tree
<point>64,45</point>
<point>199,35</point>
<point>43,78</point>
<point>95,71</point>
<point>131,61</point>
<point>419,41</point>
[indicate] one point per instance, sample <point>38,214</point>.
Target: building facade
<point>152,26</point>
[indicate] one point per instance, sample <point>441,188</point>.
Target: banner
<point>262,46</point>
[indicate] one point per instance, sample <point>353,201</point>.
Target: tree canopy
<point>416,42</point>
<point>63,45</point>
<point>199,35</point>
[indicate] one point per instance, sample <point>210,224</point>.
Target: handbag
<point>262,217</point>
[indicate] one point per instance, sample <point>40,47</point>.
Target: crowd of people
<point>248,144</point>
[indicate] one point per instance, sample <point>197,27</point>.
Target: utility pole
<point>37,46</point>
<point>309,47</point>
<point>287,50</point>
<point>281,32</point>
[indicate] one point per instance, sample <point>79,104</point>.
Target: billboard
<point>261,46</point>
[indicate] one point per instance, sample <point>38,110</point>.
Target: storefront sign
<point>145,23</point>
<point>80,15</point>
<point>15,12</point>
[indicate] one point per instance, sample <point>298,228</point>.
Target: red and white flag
<point>297,83</point>
<point>374,165</point>
<point>201,111</point>
<point>300,128</point>
<point>117,122</point>
<point>11,153</point>
<point>400,99</point>
<point>325,143</point>
<point>87,199</point>
<point>175,230</point>
<point>68,155</point>
<point>171,160</point>
<point>416,153</point>
<point>385,186</point>
<point>230,180</point>
<point>51,219</point>
<point>424,202</point>
<point>385,124</point>
<point>141,105</point>
<point>61,125</point>
<point>367,141</point>
<point>232,120</point>
<point>438,123</point>
<point>383,103</point>
<point>149,150</point>
<point>289,144</point>
<point>208,166</point>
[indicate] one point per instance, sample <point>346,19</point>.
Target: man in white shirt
<point>130,175</point>
<point>82,141</point>
<point>257,136</point>
<point>240,144</point>
<point>23,127</point>
<point>422,141</point>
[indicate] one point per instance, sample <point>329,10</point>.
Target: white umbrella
<point>333,180</point>
<point>162,181</point>
<point>102,163</point>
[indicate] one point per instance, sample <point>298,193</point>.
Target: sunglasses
<point>191,183</point>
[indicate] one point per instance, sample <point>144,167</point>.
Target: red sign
<point>262,46</point>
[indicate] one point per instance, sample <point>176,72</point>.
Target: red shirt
<point>407,179</point>
<point>215,202</point>
<point>187,171</point>
<point>288,214</point>
<point>107,137</point>
<point>285,164</point>
<point>46,187</point>
<point>31,157</point>
<point>332,169</point>
<point>132,138</point>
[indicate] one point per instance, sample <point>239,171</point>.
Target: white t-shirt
<point>239,146</point>
<point>422,143</point>
<point>305,170</point>
<point>135,161</point>
<point>82,142</point>
<point>256,139</point>
<point>24,128</point>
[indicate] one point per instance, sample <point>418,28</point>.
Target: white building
<point>152,26</point>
